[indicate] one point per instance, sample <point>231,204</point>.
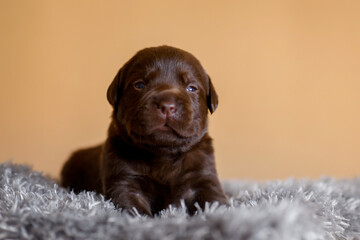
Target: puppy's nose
<point>167,108</point>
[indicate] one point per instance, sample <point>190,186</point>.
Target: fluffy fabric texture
<point>35,207</point>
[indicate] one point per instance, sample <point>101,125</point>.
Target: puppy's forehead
<point>168,67</point>
<point>166,62</point>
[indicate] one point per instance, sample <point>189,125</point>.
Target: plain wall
<point>287,74</point>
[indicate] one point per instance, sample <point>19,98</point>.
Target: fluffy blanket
<point>35,207</point>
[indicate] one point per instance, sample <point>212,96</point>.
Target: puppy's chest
<point>169,171</point>
<point>165,172</point>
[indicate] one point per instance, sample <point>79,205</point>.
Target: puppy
<point>158,150</point>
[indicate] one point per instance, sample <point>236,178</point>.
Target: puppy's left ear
<point>212,97</point>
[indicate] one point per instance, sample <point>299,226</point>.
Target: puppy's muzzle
<point>167,104</point>
<point>167,109</point>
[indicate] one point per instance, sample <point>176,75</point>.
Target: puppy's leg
<point>81,171</point>
<point>127,195</point>
<point>199,189</point>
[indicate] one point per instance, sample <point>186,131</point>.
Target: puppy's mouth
<point>164,128</point>
<point>169,127</point>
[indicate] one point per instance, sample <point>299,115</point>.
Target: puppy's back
<point>81,171</point>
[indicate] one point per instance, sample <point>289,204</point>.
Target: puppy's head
<point>161,97</point>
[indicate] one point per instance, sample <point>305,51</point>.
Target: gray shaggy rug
<point>35,207</point>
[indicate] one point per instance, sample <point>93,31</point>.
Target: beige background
<point>287,73</point>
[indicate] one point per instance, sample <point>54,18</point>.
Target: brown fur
<point>158,150</point>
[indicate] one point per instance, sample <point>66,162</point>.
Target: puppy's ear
<point>212,97</point>
<point>113,92</point>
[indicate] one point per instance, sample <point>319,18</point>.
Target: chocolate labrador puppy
<point>158,150</point>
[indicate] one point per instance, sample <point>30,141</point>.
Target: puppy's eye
<point>191,88</point>
<point>139,84</point>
